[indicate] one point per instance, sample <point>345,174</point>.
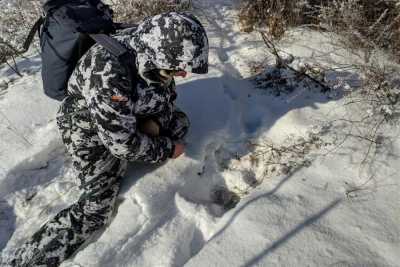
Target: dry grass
<point>363,24</point>
<point>276,15</point>
<point>17,19</point>
<point>15,23</point>
<point>372,104</point>
<point>135,10</point>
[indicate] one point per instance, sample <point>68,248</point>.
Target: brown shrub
<point>276,15</point>
<point>135,10</point>
<point>363,24</point>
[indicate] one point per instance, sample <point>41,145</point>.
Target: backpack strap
<point>125,56</point>
<point>112,45</point>
<point>35,28</point>
<point>122,26</point>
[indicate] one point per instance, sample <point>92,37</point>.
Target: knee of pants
<point>98,208</point>
<point>100,189</point>
<point>97,169</point>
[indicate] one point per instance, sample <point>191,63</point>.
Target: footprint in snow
<point>38,169</point>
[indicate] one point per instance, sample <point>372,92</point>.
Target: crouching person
<point>105,123</point>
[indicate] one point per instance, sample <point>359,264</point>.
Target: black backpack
<point>68,29</point>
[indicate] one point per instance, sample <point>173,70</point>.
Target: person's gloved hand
<point>179,150</point>
<point>149,127</point>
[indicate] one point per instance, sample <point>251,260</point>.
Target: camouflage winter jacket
<point>100,84</point>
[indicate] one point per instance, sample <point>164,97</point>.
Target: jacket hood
<point>173,41</point>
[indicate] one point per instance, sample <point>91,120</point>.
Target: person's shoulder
<point>99,59</point>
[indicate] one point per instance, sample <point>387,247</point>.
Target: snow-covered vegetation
<point>359,23</point>
<point>18,16</point>
<point>292,157</point>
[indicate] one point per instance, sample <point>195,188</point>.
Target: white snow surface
<point>165,215</point>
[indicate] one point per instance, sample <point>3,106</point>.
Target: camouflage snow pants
<point>99,174</point>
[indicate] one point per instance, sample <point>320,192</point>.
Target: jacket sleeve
<point>112,110</point>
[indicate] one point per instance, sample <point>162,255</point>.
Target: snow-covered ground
<point>328,214</point>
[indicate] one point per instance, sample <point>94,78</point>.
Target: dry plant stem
<point>359,188</point>
<point>281,63</point>
<point>132,11</point>
<point>290,157</point>
<point>15,67</point>
<point>363,25</point>
<point>372,140</point>
<point>16,20</point>
<point>358,126</point>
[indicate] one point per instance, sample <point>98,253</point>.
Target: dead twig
<point>280,63</point>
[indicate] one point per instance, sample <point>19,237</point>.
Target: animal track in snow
<point>227,174</point>
<point>237,168</point>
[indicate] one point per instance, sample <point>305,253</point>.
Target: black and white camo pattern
<point>174,41</point>
<point>101,134</point>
